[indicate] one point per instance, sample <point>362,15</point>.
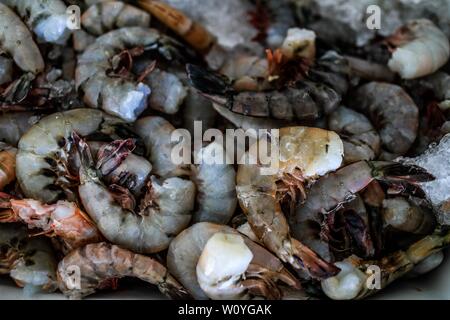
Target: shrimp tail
<point>316,266</point>
<point>208,82</point>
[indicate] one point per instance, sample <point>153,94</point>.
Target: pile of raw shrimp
<point>90,191</point>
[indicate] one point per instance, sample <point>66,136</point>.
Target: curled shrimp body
<point>306,101</point>
<point>216,187</point>
<point>333,190</point>
<point>361,141</point>
<point>305,154</point>
<point>124,98</point>
<point>156,133</point>
<point>47,19</point>
<point>16,40</point>
<point>215,261</point>
<point>43,157</point>
<point>100,262</point>
<point>30,262</point>
<point>165,211</point>
<point>106,16</point>
<point>62,219</point>
<point>422,48</point>
<point>14,124</point>
<point>7,165</point>
<point>351,282</point>
<point>393,113</point>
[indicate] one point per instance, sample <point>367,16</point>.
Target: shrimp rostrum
<point>216,262</point>
<point>304,155</point>
<point>97,263</point>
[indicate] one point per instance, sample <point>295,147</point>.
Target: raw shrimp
<point>193,33</point>
<point>29,261</point>
<point>306,101</point>
<point>304,155</point>
<point>216,185</point>
<point>43,159</point>
<point>100,262</point>
<point>16,40</point>
<point>47,19</point>
<point>7,165</point>
<point>156,132</point>
<point>361,141</point>
<point>63,219</point>
<point>406,215</point>
<point>106,16</point>
<point>124,98</point>
<point>393,113</point>
<point>351,282</point>
<point>421,49</point>
<point>14,124</point>
<point>165,211</point>
<point>214,261</point>
<point>332,191</point>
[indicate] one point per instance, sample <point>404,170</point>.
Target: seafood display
<point>223,150</point>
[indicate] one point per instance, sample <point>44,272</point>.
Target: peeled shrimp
<point>47,19</point>
<point>16,39</point>
<point>422,48</point>
<point>215,261</point>
<point>305,154</point>
<point>393,113</point>
<point>165,211</point>
<point>361,141</point>
<point>100,262</point>
<point>44,152</point>
<point>30,262</point>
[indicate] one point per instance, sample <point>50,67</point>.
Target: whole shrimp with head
<point>304,155</point>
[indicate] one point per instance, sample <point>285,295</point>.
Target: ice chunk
<point>436,160</point>
<point>227,20</point>
<point>346,19</point>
